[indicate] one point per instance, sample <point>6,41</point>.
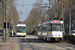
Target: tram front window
<point>21,29</point>
<point>57,27</point>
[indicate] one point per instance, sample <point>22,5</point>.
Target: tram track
<point>61,45</point>
<point>67,45</point>
<point>40,44</point>
<point>21,46</point>
<point>29,44</point>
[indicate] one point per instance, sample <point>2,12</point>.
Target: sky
<point>24,7</point>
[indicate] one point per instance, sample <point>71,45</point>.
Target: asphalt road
<point>32,42</point>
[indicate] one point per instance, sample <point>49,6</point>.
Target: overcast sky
<point>24,11</point>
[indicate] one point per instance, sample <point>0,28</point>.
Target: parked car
<point>1,32</point>
<point>73,32</point>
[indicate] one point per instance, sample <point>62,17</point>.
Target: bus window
<point>21,29</point>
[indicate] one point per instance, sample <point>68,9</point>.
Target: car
<point>73,32</point>
<point>1,32</point>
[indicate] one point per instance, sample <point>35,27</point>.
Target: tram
<point>51,30</point>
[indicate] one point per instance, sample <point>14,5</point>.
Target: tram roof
<point>49,22</point>
<point>53,21</point>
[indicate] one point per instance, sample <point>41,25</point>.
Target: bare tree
<point>70,4</point>
<point>13,14</point>
<point>36,14</point>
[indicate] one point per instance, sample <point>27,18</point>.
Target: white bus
<point>51,30</point>
<point>21,30</point>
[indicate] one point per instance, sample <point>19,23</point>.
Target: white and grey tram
<point>51,30</point>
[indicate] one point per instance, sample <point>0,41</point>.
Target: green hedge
<point>69,38</point>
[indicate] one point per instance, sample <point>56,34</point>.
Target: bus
<point>51,30</point>
<point>21,30</point>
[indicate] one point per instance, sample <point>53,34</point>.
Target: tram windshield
<point>21,29</point>
<point>57,27</point>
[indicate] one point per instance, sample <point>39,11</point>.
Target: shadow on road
<point>36,40</point>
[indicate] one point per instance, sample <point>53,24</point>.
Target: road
<point>32,42</point>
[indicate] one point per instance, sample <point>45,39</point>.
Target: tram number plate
<point>23,34</point>
<point>56,37</point>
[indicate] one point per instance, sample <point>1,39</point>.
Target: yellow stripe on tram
<point>23,34</point>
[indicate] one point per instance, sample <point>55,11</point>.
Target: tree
<point>70,4</point>
<point>13,14</point>
<point>36,14</point>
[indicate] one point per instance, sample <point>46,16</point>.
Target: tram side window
<point>61,27</point>
<point>49,27</point>
<point>44,29</point>
<point>39,28</point>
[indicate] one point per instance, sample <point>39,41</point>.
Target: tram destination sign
<point>56,22</point>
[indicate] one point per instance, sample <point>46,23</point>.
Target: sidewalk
<point>11,44</point>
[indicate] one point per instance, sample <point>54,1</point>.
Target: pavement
<point>11,44</point>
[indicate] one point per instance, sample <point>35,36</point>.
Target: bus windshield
<point>21,29</point>
<point>57,27</point>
